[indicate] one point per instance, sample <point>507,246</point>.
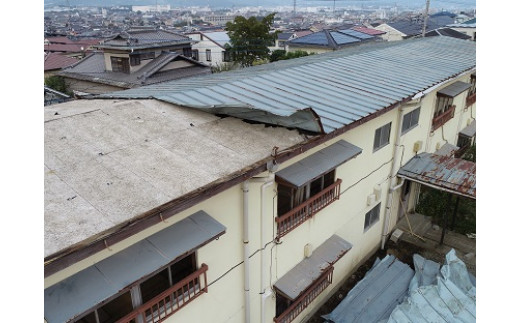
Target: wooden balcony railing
<point>306,298</point>
<point>171,300</point>
<point>443,118</point>
<point>470,99</point>
<point>307,209</point>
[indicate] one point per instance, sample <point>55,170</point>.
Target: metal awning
<point>91,286</point>
<point>454,89</point>
<point>470,130</point>
<point>298,279</point>
<point>319,163</point>
<point>454,175</point>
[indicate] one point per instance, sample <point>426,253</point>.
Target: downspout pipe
<point>267,181</point>
<point>393,178</point>
<point>245,230</point>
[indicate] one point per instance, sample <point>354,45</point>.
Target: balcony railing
<point>307,209</point>
<point>443,118</point>
<point>470,99</point>
<point>306,298</point>
<point>171,300</point>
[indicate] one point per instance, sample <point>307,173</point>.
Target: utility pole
<point>294,8</point>
<point>425,17</point>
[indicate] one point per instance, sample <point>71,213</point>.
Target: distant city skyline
<point>434,4</point>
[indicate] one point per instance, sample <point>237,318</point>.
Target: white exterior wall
<point>217,57</point>
<point>224,301</point>
<point>391,33</point>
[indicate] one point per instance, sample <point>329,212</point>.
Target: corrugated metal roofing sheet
<point>319,163</point>
<point>341,87</point>
<point>89,287</point>
<point>456,175</point>
<point>298,279</point>
<point>373,298</point>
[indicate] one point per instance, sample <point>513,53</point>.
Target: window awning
<point>298,279</point>
<point>454,175</point>
<point>470,130</point>
<point>454,89</point>
<point>82,291</point>
<point>319,163</point>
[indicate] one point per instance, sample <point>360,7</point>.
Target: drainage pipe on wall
<point>267,181</point>
<point>393,178</point>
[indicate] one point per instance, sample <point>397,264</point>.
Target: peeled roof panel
<point>91,286</point>
<point>454,89</point>
<point>323,161</point>
<point>376,72</point>
<point>299,278</point>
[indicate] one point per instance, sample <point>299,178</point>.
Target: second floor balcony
<point>444,117</point>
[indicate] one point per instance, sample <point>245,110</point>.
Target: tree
<point>250,38</point>
<point>57,83</point>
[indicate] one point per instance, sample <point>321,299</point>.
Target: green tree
<point>250,38</point>
<point>57,83</point>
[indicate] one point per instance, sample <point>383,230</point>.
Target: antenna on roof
<point>425,17</point>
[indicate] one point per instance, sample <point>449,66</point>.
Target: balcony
<point>171,300</point>
<point>471,99</point>
<point>307,209</point>
<point>306,298</point>
<point>441,119</point>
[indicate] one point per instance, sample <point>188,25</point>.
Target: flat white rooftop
<point>109,161</point>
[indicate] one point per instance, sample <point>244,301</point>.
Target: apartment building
<point>246,196</point>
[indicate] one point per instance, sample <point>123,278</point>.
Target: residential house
<point>54,62</point>
<point>447,32</point>
<point>327,40</point>
<point>404,29</point>
<point>210,47</point>
<point>133,59</point>
<point>51,96</point>
<point>289,35</point>
<point>70,46</point>
<point>469,27</point>
<point>246,196</point>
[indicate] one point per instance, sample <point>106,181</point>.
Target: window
<point>120,64</point>
<point>208,55</point>
<point>472,93</point>
<point>195,54</point>
<point>135,60</point>
<point>289,198</point>
<point>186,52</point>
<point>149,289</point>
<point>372,217</point>
<point>444,103</point>
<point>410,120</point>
<point>382,136</point>
<point>227,56</point>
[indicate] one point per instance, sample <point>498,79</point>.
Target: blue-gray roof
<point>321,92</point>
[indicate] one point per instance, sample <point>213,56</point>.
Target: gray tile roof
<point>339,87</point>
<point>92,68</point>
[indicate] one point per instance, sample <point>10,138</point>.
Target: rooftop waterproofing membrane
<point>319,163</point>
<point>80,292</point>
<point>391,292</point>
<point>321,93</point>
<point>455,175</point>
<point>298,279</point>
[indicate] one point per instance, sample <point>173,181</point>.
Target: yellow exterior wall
<point>225,299</point>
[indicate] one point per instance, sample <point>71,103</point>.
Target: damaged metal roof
<point>455,175</point>
<point>321,93</point>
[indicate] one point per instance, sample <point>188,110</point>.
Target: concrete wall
<point>225,300</point>
<point>391,33</point>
